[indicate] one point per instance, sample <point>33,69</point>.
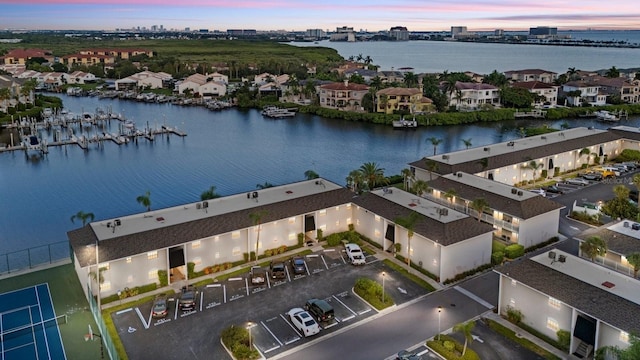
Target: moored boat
<point>405,124</point>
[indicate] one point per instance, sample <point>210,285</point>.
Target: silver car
<point>577,181</point>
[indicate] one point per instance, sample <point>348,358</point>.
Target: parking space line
<point>146,324</point>
<point>364,311</point>
<point>224,292</point>
<point>294,329</point>
<point>246,283</point>
<point>201,299</point>
<point>332,324</point>
<point>214,285</point>
<point>235,279</point>
<point>286,270</point>
<point>329,250</point>
<point>175,317</point>
<point>268,279</point>
<point>272,334</point>
<point>123,311</point>
<point>324,261</point>
<point>345,305</point>
<point>306,267</point>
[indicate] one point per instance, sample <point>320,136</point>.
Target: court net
<point>33,327</point>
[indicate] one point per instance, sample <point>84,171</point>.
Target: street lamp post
<point>249,326</point>
<point>383,276</point>
<point>439,316</point>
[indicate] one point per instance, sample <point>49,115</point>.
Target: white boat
<point>277,113</point>
<point>32,144</point>
<point>87,119</point>
<point>405,124</point>
<point>604,115</point>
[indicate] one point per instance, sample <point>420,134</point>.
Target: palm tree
<point>145,200</point>
<point>613,72</point>
<point>594,246</point>
<point>467,142</point>
<point>410,79</point>
<point>408,223</point>
<point>354,180</point>
<point>636,182</point>
<point>435,142</point>
<point>534,166</point>
<point>634,260</point>
<point>372,175</point>
<point>83,216</point>
<point>479,205</point>
<point>209,194</point>
<point>407,176</point>
<point>621,192</point>
<point>256,219</point>
<point>310,174</point>
<point>432,166</point>
<point>420,187</point>
<point>465,329</point>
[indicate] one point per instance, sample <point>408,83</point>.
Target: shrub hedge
<point>443,347</point>
<point>371,291</point>
<point>514,251</point>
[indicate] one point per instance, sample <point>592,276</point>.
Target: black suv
<point>320,309</point>
<point>187,299</point>
<point>278,270</point>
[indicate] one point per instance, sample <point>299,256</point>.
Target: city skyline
<point>300,15</point>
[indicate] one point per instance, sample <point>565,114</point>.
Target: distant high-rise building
<point>458,30</point>
<point>498,32</point>
<point>344,34</point>
<point>314,34</point>
<point>187,29</point>
<point>399,33</point>
<point>543,31</point>
<point>242,32</point>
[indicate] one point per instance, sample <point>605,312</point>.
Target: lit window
<point>349,221</point>
<point>216,238</point>
<point>197,261</point>
<point>292,220</point>
<point>236,251</point>
<point>348,206</point>
<point>554,303</point>
<point>377,233</point>
<point>105,286</point>
<point>217,255</point>
<point>515,167</point>
<point>337,208</point>
<point>514,282</point>
<point>323,227</point>
<point>235,234</point>
<point>358,222</point>
<point>552,324</point>
<point>129,260</point>
<point>104,266</point>
<point>512,302</point>
<point>195,244</point>
<point>292,236</point>
<point>624,337</point>
<point>153,274</point>
<point>323,212</point>
<point>152,255</point>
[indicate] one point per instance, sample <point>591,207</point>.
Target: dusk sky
<point>372,15</point>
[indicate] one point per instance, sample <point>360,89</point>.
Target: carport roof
<point>150,231</point>
<point>582,285</point>
<point>522,204</point>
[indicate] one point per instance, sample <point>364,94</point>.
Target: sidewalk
<point>524,334</point>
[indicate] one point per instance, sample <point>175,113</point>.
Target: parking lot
<point>262,308</point>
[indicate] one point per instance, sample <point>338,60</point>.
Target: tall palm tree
<point>634,260</point>
<point>310,174</point>
<point>534,166</point>
<point>613,72</point>
<point>420,187</point>
<point>209,194</point>
<point>83,216</point>
<point>410,79</point>
<point>372,175</point>
<point>467,142</point>
<point>432,166</point>
<point>435,142</point>
<point>407,175</point>
<point>594,246</point>
<point>354,180</point>
<point>256,219</point>
<point>145,200</point>
<point>479,205</point>
<point>408,222</point>
<point>465,329</point>
<point>621,192</point>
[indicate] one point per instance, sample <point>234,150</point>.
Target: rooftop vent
<point>486,149</point>
<point>561,134</point>
<point>552,255</point>
<point>625,224</point>
<point>445,156</point>
<point>562,258</point>
<point>543,137</point>
<point>635,226</point>
<point>514,191</point>
<point>511,143</point>
<point>519,193</point>
<point>443,211</point>
<point>459,174</point>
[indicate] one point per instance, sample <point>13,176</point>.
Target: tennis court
<point>29,326</point>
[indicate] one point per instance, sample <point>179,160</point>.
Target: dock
<point>535,114</point>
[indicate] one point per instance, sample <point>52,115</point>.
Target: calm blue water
<point>232,150</point>
<point>438,56</point>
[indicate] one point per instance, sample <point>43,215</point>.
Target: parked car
<point>595,176</point>
<point>304,322</point>
<point>553,189</point>
<point>278,270</point>
<point>355,254</point>
<point>298,265</point>
<point>187,299</point>
<point>633,195</point>
<point>408,355</point>
<point>577,181</point>
<point>539,192</point>
<point>320,309</point>
<point>159,309</point>
<point>258,275</point>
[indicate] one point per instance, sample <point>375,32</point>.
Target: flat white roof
<point>107,229</point>
<point>494,187</point>
<point>477,153</point>
<point>627,128</point>
<point>620,228</point>
<point>421,205</point>
<point>593,274</point>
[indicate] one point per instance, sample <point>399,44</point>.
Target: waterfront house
<point>627,90</point>
<point>517,216</point>
<point>79,77</point>
<point>547,93</point>
<point>22,56</point>
<point>556,291</point>
<point>342,95</point>
<point>145,79</point>
<point>13,69</point>
<point>87,60</point>
<point>213,88</point>
<point>468,96</point>
<point>622,238</point>
<point>366,74</point>
<point>217,77</point>
<point>579,91</point>
<point>391,76</point>
<point>191,83</point>
<point>53,80</point>
<point>15,88</point>
<point>130,250</point>
<point>529,75</point>
<point>408,100</point>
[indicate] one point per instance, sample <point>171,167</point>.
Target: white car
<point>355,254</point>
<point>303,321</point>
<point>539,192</point>
<point>577,181</point>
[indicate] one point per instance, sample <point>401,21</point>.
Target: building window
<point>348,206</point>
<point>195,244</point>
<point>152,255</point>
<point>554,303</point>
<point>376,233</point>
<point>337,223</point>
<point>235,235</point>
<point>236,251</point>
<point>217,255</point>
<point>512,302</point>
<point>552,324</point>
<point>337,208</point>
<point>377,217</point>
<point>105,286</point>
<point>292,220</point>
<point>129,260</point>
<point>323,212</point>
<point>104,266</point>
<point>197,261</point>
<point>624,337</point>
<point>292,236</point>
<point>153,274</point>
<point>514,282</point>
<point>348,221</point>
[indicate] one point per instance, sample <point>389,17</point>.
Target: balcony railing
<point>466,209</point>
